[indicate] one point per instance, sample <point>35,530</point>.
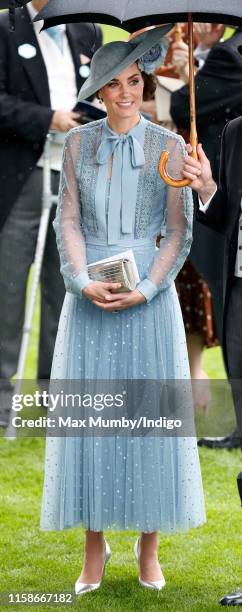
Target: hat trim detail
<point>141,44</point>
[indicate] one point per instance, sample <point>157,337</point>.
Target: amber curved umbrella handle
<point>162,167</point>
<point>166,177</point>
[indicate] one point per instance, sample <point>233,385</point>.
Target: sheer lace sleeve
<point>67,224</point>
<point>175,245</point>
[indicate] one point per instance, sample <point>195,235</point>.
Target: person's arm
<point>29,121</point>
<point>215,200</point>
<point>67,224</point>
<point>214,215</point>
<point>180,60</point>
<point>69,228</point>
<point>175,246</point>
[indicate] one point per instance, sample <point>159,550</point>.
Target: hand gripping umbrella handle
<point>162,167</point>
<point>164,174</point>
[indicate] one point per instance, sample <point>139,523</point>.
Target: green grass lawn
<point>110,34</point>
<point>199,566</point>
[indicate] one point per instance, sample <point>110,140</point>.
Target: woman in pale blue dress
<point>112,199</point>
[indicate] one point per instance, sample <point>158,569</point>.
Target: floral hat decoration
<point>153,58</point>
<point>147,49</point>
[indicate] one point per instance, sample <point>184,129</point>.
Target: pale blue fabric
<point>56,33</point>
<point>128,157</point>
<point>144,484</point>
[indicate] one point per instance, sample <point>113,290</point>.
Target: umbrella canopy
<point>131,15</point>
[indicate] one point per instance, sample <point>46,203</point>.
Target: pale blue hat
<point>149,48</point>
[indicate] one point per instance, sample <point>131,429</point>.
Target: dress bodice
<point>132,203</point>
<point>111,191</point>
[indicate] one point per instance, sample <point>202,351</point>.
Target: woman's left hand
<point>121,301</point>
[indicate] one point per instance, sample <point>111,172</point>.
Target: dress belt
<point>122,245</point>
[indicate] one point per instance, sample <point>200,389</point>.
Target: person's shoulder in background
<point>233,131</point>
<point>88,37</point>
<point>225,54</point>
<point>232,43</point>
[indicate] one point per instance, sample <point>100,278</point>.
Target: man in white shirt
<point>40,76</point>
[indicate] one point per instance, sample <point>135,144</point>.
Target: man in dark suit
<point>40,76</point>
<point>219,99</point>
<point>221,209</point>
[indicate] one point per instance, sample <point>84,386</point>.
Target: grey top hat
<point>112,58</point>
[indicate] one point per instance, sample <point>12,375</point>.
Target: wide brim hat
<point>114,57</point>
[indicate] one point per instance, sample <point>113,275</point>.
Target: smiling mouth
<point>124,103</point>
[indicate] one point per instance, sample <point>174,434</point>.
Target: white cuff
<point>204,207</point>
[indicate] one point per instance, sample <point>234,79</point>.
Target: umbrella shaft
<point>193,127</point>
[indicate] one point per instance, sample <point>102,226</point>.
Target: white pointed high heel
<point>81,587</point>
<point>158,584</point>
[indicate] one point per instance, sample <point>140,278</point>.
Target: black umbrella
<point>131,15</point>
<point>11,5</point>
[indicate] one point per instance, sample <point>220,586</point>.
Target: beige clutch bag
<point>116,271</point>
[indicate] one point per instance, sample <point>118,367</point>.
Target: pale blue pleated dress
<point>112,199</point>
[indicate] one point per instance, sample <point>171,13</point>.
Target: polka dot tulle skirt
<point>122,482</point>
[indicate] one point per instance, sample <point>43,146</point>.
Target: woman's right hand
<point>200,174</point>
<point>99,291</point>
<point>180,59</point>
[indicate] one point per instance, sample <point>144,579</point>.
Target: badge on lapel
<point>27,51</point>
<point>84,69</point>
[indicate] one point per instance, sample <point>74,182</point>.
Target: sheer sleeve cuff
<point>81,281</point>
<point>148,289</point>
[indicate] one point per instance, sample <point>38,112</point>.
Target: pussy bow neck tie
<point>128,155</point>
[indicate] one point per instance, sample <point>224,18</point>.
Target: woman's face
<point>123,96</point>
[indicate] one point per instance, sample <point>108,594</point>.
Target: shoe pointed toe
<point>156,584</point>
<point>81,588</point>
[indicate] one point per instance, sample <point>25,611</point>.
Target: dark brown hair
<point>150,84</point>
